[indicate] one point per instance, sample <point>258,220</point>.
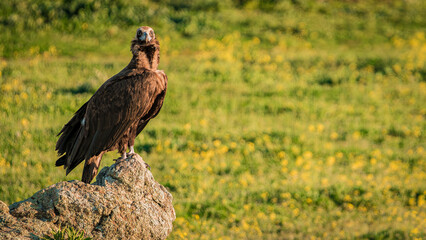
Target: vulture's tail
<point>91,167</point>
<point>68,137</point>
<point>61,161</point>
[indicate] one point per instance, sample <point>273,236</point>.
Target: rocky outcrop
<point>125,202</point>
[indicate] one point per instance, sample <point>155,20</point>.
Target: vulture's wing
<point>158,102</point>
<point>111,111</point>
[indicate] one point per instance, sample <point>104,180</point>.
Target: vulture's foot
<point>123,156</point>
<point>131,151</point>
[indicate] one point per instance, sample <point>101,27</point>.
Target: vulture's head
<point>145,37</point>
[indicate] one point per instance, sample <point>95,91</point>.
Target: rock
<point>125,202</point>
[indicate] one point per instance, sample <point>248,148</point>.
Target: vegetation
<point>283,119</point>
<point>68,233</point>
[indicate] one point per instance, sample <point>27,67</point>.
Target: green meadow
<point>282,119</point>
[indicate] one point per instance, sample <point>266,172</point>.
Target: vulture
<point>117,112</point>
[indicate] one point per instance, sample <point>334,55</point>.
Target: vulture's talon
<point>147,166</point>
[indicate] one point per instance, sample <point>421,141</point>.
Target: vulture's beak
<point>145,37</point>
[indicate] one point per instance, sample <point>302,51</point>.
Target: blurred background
<point>282,120</point>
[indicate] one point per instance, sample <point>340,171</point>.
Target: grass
<point>68,233</point>
<point>282,120</point>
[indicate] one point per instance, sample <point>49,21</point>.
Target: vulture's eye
<point>151,33</point>
<point>139,33</point>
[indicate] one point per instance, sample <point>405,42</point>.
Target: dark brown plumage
<point>117,112</point>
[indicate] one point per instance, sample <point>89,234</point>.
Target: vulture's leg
<point>122,148</point>
<point>132,150</point>
<point>131,142</point>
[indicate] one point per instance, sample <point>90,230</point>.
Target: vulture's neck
<point>145,57</point>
